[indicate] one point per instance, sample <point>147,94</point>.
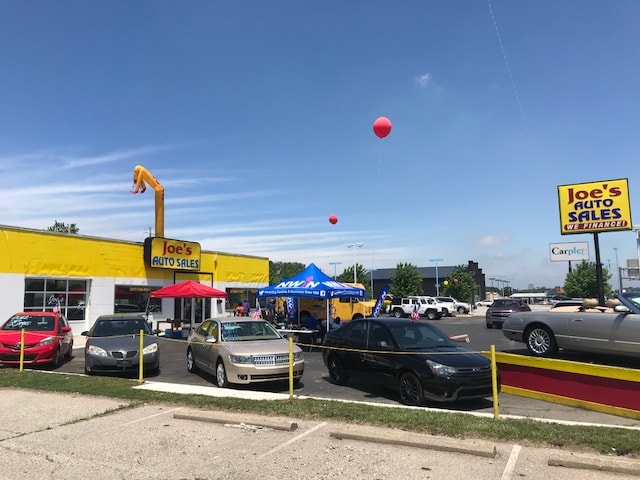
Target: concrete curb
<point>237,418</point>
<point>417,440</point>
<point>590,462</point>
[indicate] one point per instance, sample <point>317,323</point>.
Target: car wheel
<point>541,342</point>
<point>462,310</point>
<point>432,315</point>
<point>489,325</point>
<point>221,375</point>
<point>87,370</point>
<point>397,313</point>
<point>57,359</point>
<point>191,362</point>
<point>410,390</point>
<point>357,316</point>
<point>69,354</point>
<point>336,371</point>
<point>445,312</point>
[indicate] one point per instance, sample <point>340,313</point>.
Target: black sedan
<point>413,357</point>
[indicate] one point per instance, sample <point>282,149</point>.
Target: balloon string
<point>373,234</point>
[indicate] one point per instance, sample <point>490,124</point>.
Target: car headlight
<point>46,341</point>
<point>96,351</point>
<point>298,356</point>
<point>440,370</point>
<point>153,348</point>
<point>244,359</point>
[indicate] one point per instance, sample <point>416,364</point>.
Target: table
<point>177,326</point>
<point>296,334</point>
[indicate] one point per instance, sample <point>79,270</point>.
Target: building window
<point>130,298</point>
<point>44,294</point>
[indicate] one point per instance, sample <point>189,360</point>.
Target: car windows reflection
<point>419,336</point>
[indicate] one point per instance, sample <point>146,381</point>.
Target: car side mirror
<point>621,309</point>
<point>210,339</point>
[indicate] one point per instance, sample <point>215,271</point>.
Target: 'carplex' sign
<point>568,252</point>
<point>171,254</point>
<point>594,207</point>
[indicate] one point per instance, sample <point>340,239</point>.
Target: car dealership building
<point>90,276</point>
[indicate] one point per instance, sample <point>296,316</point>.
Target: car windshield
<point>114,328</point>
<point>419,336</point>
<point>505,303</point>
<point>29,322</point>
<point>247,331</point>
<point>633,298</point>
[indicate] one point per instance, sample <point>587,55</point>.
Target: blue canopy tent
<point>311,283</point>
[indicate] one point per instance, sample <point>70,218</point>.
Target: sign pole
<point>599,278</point>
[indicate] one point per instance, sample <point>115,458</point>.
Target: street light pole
<point>334,268</point>
<point>437,281</point>
<point>354,246</point>
<point>615,249</point>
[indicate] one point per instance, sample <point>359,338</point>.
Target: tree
<point>281,270</point>
<point>362,276</point>
<point>61,227</point>
<point>406,281</point>
<point>582,281</point>
<point>460,285</point>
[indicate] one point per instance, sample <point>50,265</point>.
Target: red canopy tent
<point>188,289</point>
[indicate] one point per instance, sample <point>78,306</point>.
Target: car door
<point>65,335</point>
<point>605,332</point>
<point>355,343</point>
<point>203,350</point>
<point>379,361</point>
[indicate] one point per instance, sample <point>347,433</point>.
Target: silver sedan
<point>612,329</point>
<point>242,351</point>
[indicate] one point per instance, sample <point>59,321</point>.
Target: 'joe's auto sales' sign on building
<point>594,207</point>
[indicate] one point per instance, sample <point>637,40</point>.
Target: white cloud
<point>423,80</point>
<point>492,240</point>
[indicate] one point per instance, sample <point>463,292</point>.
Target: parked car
<point>415,358</point>
<point>484,303</point>
<point>501,308</point>
<point>242,350</point>
<point>47,339</point>
<point>113,345</point>
<point>612,329</point>
<point>456,305</point>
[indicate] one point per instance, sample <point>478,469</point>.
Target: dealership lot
<point>78,437</point>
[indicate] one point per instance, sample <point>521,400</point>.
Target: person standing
<point>245,307</point>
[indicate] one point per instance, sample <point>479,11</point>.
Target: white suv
<point>455,305</point>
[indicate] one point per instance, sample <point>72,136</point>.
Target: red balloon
<point>333,219</point>
<point>382,127</point>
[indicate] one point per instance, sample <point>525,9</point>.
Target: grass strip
<point>606,440</point>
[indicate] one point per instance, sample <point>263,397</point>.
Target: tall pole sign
<point>592,208</point>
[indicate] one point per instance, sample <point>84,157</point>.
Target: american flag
<point>415,315</point>
<point>258,313</point>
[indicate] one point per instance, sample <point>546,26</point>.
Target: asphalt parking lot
<point>73,436</point>
<point>78,437</point>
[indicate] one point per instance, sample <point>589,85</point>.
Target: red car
<point>47,338</point>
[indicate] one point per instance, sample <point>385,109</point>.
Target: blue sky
<point>256,117</point>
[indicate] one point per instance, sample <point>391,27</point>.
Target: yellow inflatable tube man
<point>142,178</point>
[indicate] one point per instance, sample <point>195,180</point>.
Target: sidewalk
<point>77,437</point>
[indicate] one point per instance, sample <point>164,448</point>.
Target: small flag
<point>415,315</point>
<point>258,313</point>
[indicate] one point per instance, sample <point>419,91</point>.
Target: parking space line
<point>293,440</point>
<point>138,420</point>
<point>509,468</point>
